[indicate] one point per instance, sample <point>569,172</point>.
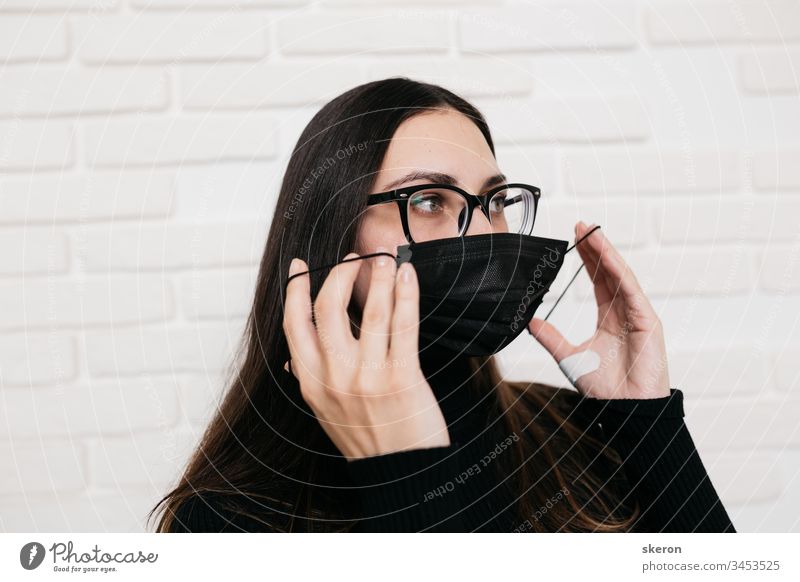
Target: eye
<point>427,202</point>
<point>498,203</point>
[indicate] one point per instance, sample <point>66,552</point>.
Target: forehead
<point>445,141</point>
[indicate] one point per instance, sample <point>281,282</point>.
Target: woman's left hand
<point>630,359</point>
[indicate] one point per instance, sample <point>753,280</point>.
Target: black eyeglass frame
<point>402,195</point>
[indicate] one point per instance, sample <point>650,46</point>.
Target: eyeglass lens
<point>442,213</point>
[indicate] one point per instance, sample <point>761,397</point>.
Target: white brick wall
<point>184,139</point>
<point>36,144</point>
<point>161,37</point>
<point>33,40</point>
<point>717,21</point>
<point>142,144</point>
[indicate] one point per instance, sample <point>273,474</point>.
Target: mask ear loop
<point>328,266</point>
<point>574,276</point>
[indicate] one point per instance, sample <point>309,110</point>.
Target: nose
<point>479,224</point>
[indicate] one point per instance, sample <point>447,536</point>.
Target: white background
<point>141,149</point>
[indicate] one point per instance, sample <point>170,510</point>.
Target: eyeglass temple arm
<point>384,197</point>
<point>514,200</point>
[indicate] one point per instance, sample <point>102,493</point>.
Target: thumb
<point>552,340</point>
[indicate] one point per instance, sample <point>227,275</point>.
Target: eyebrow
<point>442,178</point>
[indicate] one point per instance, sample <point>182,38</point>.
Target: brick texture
<point>142,145</point>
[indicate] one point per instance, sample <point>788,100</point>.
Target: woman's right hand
<point>369,394</point>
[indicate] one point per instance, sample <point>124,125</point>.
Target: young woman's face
<point>445,142</point>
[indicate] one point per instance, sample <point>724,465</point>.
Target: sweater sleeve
<point>410,491</point>
<point>661,464</point>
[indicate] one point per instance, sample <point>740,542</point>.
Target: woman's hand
<point>369,394</point>
<point>630,358</point>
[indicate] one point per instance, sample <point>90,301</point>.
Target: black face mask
<point>479,292</point>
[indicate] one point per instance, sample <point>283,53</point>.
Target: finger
<point>330,308</point>
<point>604,289</point>
<point>621,276</point>
<point>301,336</point>
<point>552,340</point>
<point>376,317</point>
<point>600,274</point>
<point>404,345</point>
<point>602,292</point>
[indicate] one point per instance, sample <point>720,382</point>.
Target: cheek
<point>362,282</point>
<point>361,286</point>
<point>381,228</point>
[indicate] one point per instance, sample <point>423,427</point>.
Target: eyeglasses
<point>433,211</point>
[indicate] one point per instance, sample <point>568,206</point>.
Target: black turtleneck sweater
<point>454,488</point>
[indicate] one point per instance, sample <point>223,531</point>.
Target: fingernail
<point>294,266</point>
<point>382,260</point>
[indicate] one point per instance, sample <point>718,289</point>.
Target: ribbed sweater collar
<point>450,376</point>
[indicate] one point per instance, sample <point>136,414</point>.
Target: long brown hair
<point>264,444</point>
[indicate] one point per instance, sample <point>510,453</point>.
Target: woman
<point>346,415</point>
